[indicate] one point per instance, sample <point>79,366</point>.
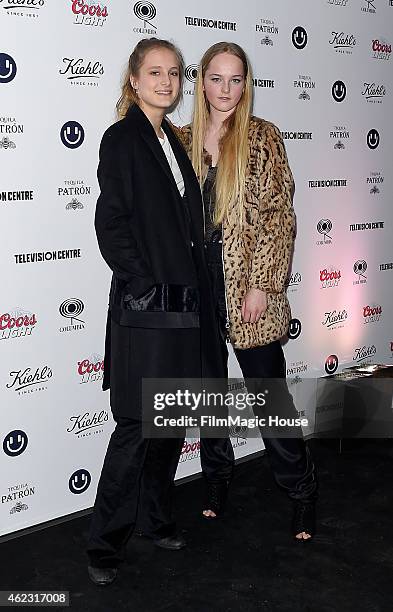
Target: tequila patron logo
<point>23,8</point>
<point>10,130</point>
<point>88,13</point>
<point>29,381</point>
<point>78,71</point>
<point>269,31</point>
<point>297,367</point>
<point>16,496</point>
<point>16,323</point>
<point>73,194</point>
<point>340,136</point>
<point>146,13</point>
<point>375,182</point>
<point>306,84</point>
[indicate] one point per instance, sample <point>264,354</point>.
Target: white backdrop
<point>322,73</point>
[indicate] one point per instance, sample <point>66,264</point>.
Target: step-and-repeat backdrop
<point>322,73</point>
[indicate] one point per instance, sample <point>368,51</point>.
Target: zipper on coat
<point>227,322</point>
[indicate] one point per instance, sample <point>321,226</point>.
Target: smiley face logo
<point>299,37</point>
<point>373,139</point>
<point>7,68</point>
<point>294,329</point>
<point>339,91</point>
<point>72,134</point>
<point>15,443</point>
<point>331,364</point>
<point>79,481</point>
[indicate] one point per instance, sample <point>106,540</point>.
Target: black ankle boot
<point>216,497</point>
<point>102,576</point>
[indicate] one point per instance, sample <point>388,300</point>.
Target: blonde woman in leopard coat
<point>247,186</point>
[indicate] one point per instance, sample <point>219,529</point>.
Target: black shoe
<point>102,576</point>
<point>216,497</point>
<point>175,542</point>
<point>303,519</point>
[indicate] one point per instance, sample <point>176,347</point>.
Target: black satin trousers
<point>289,456</point>
<point>137,475</point>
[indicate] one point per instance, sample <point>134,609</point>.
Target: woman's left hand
<point>254,305</point>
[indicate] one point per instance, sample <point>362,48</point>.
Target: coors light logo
<point>190,450</point>
<point>91,369</point>
<point>381,49</point>
<point>329,277</point>
<point>372,314</point>
<point>89,13</point>
<point>16,323</point>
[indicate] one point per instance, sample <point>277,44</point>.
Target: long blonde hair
<point>136,59</point>
<point>233,144</point>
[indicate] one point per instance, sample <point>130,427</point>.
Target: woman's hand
<point>254,305</point>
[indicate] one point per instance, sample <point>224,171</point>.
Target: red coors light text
<point>369,311</point>
<point>190,448</point>
<point>381,47</point>
<point>324,275</point>
<point>81,7</point>
<point>85,367</point>
<point>8,322</point>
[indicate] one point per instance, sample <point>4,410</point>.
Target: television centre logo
<point>324,228</point>
<point>8,68</point>
<point>327,183</point>
<point>358,227</point>
<point>10,129</point>
<point>215,24</point>
<point>269,30</point>
<point>23,8</point>
<point>17,323</point>
<point>23,195</point>
<point>71,310</point>
<point>297,135</point>
<point>78,71</point>
<point>86,424</point>
<point>45,256</point>
<point>146,12</point>
<point>306,84</point>
<point>89,13</point>
<point>340,135</point>
<point>374,182</point>
<point>29,380</point>
<point>73,194</point>
<point>373,93</point>
<point>16,497</point>
<point>359,268</point>
<point>342,42</point>
<point>263,83</point>
<point>90,369</point>
<point>386,266</point>
<point>381,49</point>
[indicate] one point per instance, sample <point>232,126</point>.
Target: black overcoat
<point>161,318</point>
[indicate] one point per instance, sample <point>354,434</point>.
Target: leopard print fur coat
<point>258,254</point>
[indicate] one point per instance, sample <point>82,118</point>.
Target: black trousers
<point>289,457</point>
<point>137,474</point>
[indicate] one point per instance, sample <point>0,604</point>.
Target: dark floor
<point>248,560</point>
